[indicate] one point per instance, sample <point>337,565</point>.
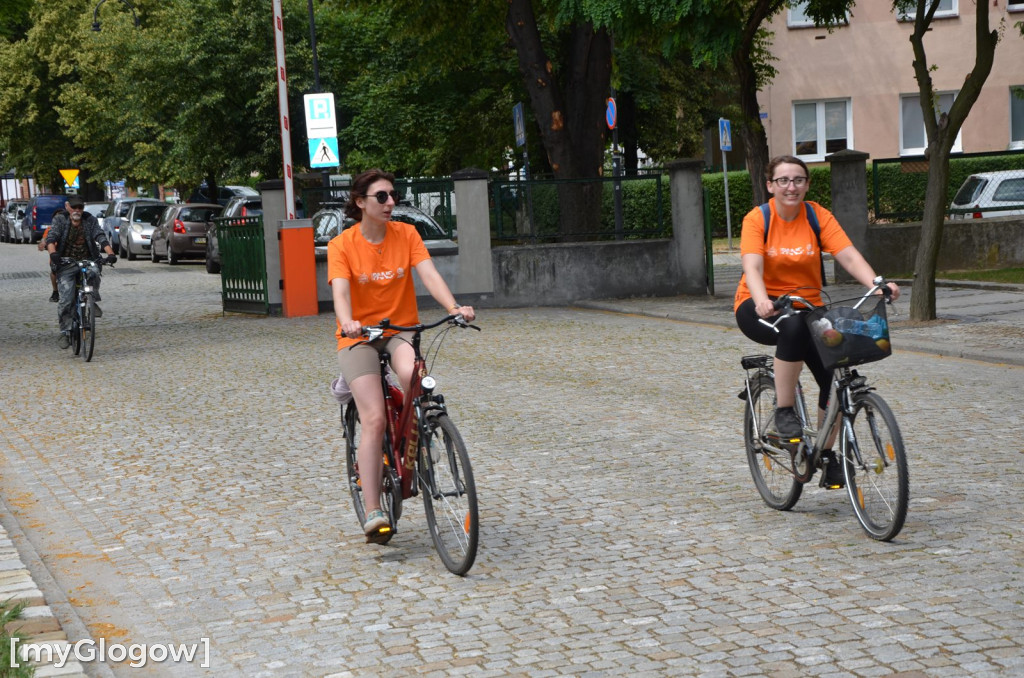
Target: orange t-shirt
<point>791,257</point>
<point>379,276</point>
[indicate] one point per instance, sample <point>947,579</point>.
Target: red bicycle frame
<point>400,418</point>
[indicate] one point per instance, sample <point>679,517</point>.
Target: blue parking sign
<point>724,135</point>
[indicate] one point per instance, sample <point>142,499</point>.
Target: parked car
<point>238,206</point>
<point>224,193</point>
<point>115,215</point>
<point>989,194</point>
<point>97,209</point>
<point>39,213</point>
<point>181,232</point>
<point>330,221</point>
<point>136,232</point>
<point>11,218</point>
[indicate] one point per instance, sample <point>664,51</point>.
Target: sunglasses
<point>382,196</point>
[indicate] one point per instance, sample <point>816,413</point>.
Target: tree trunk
<point>942,131</point>
<point>570,113</point>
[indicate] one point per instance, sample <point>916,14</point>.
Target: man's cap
<point>76,201</point>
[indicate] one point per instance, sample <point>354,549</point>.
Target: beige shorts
<point>362,359</point>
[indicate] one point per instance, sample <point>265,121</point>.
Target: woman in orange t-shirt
<point>789,260</point>
<point>369,267</point>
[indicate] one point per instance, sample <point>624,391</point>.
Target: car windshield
<point>970,191</point>
<point>199,213</point>
<point>427,227</point>
<point>146,214</point>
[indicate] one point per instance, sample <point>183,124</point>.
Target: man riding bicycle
<point>76,235</point>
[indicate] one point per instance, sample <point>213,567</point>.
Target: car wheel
<point>212,266</point>
<point>120,247</point>
<point>153,256</point>
<point>172,258</point>
<point>131,255</point>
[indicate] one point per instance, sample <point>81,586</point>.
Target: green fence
<point>531,211</point>
<point>243,260</point>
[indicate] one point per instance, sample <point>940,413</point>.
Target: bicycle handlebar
<point>374,332</point>
<point>786,301</point>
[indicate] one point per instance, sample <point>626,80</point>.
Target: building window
<point>913,137</point>
<point>1015,6</point>
<point>821,127</point>
<point>946,8</point>
<point>797,16</point>
<point>1017,117</point>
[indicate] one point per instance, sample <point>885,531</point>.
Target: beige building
<point>855,87</point>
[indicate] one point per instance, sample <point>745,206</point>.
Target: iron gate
<point>243,260</point>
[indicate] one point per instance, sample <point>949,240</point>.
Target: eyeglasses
<point>382,196</point>
<point>782,182</point>
<point>77,207</point>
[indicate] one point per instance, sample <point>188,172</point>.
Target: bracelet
<point>455,307</point>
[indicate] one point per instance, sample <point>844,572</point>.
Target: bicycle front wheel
<point>88,327</point>
<point>449,494</point>
<point>775,482</point>
<point>877,479</point>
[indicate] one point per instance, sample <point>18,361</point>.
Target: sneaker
<point>63,340</point>
<point>55,296</point>
<point>377,528</point>
<point>833,475</point>
<point>97,312</point>
<point>787,423</point>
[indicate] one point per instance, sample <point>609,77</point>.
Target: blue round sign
<point>610,113</point>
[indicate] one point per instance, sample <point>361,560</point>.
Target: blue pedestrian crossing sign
<point>323,152</point>
<point>724,135</point>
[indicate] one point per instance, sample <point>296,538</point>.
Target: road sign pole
<point>728,217</point>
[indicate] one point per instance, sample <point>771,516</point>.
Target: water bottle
<point>874,328</point>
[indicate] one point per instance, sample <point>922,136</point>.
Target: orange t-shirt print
<point>791,257</point>
<point>380,276</point>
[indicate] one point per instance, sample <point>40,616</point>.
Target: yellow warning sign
<point>70,176</point>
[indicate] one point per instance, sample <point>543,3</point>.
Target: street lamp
<point>96,14</point>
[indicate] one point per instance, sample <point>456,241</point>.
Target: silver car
<point>990,194</point>
<point>330,221</point>
<point>136,232</point>
<point>11,219</point>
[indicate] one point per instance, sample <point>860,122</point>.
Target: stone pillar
<point>274,212</point>
<point>475,269</point>
<point>850,200</point>
<point>688,258</point>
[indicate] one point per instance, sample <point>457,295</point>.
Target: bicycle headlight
<point>87,288</point>
<point>428,383</point>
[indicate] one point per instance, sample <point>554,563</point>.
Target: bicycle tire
<point>879,485</point>
<point>449,494</point>
<point>390,491</point>
<point>76,328</point>
<point>88,327</point>
<point>778,487</point>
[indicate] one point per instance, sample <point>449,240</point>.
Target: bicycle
<point>870,445</point>
<point>83,320</point>
<point>423,451</point>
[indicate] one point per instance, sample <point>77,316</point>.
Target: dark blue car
<point>39,213</point>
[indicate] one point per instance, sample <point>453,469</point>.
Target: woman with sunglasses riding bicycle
<point>369,267</point>
<point>786,258</point>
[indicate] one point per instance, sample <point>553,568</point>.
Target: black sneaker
<point>97,312</point>
<point>833,474</point>
<point>787,423</point>
<point>63,340</point>
<point>55,296</point>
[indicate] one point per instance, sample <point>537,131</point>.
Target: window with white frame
<point>821,127</point>
<point>946,8</point>
<point>797,16</point>
<point>1017,117</point>
<point>1015,6</point>
<point>913,136</point>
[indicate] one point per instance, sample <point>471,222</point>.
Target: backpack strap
<point>812,218</point>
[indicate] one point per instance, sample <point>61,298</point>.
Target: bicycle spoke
<point>876,468</point>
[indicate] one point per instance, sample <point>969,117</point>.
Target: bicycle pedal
<point>380,536</point>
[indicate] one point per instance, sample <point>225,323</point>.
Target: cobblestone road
<point>186,484</point>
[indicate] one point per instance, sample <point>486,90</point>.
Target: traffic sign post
<point>611,117</point>
<point>519,122</point>
<point>725,143</point>
<point>321,129</point>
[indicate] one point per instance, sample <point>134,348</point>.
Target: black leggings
<point>792,343</point>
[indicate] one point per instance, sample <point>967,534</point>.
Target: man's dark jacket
<point>95,238</point>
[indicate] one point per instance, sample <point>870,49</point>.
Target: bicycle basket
<point>845,336</point>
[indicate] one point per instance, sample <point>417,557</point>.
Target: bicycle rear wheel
<point>878,484</point>
<point>76,330</point>
<point>449,494</point>
<point>770,471</point>
<point>88,327</point>
<point>390,491</point>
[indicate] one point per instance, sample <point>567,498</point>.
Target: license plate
<point>199,241</point>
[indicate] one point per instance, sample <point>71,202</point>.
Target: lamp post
<point>96,14</point>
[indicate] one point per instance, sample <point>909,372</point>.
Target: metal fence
<point>624,208</point>
<point>980,184</point>
<point>243,261</point>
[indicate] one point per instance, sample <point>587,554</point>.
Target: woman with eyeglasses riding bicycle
<point>369,267</point>
<point>785,258</point>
